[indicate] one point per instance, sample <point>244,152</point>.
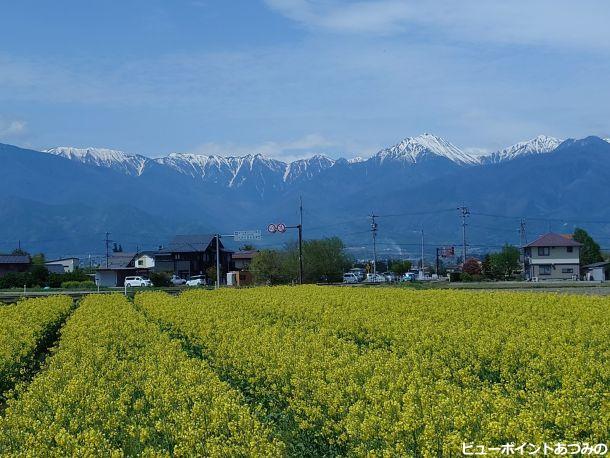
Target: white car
<point>350,277</point>
<point>197,280</point>
<point>390,276</point>
<point>375,278</point>
<point>177,281</point>
<point>132,282</point>
<point>359,272</point>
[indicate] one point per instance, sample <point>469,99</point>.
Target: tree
<point>247,247</point>
<point>400,267</point>
<point>268,266</point>
<point>590,251</point>
<point>38,259</point>
<point>324,260</point>
<point>504,263</point>
<point>211,273</point>
<point>472,266</point>
<point>20,252</point>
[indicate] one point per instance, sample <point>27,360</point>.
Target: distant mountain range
<point>64,199</point>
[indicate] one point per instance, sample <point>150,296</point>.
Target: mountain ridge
<point>75,197</point>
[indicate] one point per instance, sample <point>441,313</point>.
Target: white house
<point>144,260</point>
<point>552,257</point>
<point>68,264</point>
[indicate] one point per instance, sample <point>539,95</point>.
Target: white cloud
<point>563,23</point>
<point>11,129</point>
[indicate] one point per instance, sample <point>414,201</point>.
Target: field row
<point>117,385</point>
<point>389,372</point>
<point>27,328</point>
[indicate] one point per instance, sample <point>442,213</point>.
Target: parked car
<point>196,280</point>
<point>390,276</point>
<point>133,282</point>
<point>359,272</point>
<point>409,276</point>
<point>375,278</point>
<point>177,281</point>
<point>350,277</point>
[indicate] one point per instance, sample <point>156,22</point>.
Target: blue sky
<point>290,78</point>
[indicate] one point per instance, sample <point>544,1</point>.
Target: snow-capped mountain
<point>417,149</point>
<point>539,145</point>
<point>258,172</point>
<point>130,164</point>
<point>152,199</point>
<point>304,169</point>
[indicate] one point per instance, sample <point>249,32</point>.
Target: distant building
<point>145,260</point>
<point>552,257</point>
<point>598,271</point>
<point>242,259</point>
<point>67,264</point>
<point>120,265</point>
<point>14,263</point>
<point>188,255</point>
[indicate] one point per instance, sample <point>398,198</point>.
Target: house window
<point>567,270</point>
<point>544,250</point>
<point>140,262</point>
<point>544,269</point>
<point>570,249</point>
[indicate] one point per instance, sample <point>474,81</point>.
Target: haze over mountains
<point>63,200</point>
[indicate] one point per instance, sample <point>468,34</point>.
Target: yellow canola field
<point>25,327</point>
<point>390,372</point>
<point>117,386</point>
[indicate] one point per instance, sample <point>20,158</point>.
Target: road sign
<point>272,228</point>
<point>241,236</point>
<point>281,227</point>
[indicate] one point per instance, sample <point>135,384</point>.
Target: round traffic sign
<point>272,228</point>
<point>281,227</point>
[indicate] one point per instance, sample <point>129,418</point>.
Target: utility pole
<point>107,240</point>
<point>464,211</point>
<point>437,261</point>
<point>522,234</point>
<point>421,271</point>
<point>217,261</point>
<point>300,227</point>
<point>374,232</point>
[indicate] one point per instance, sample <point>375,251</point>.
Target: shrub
<point>160,279</point>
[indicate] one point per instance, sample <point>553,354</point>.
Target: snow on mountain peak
<point>131,164</point>
<point>415,149</point>
<point>541,144</point>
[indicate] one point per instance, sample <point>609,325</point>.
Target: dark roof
<point>596,264</point>
<point>190,243</point>
<point>61,259</point>
<point>55,268</point>
<point>147,253</point>
<point>118,261</point>
<point>245,254</point>
<point>552,239</point>
<point>14,259</point>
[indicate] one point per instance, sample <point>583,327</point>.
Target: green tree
<point>268,266</point>
<point>325,260</point>
<point>400,267</point>
<point>247,247</point>
<point>590,251</point>
<point>505,263</point>
<point>38,259</point>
